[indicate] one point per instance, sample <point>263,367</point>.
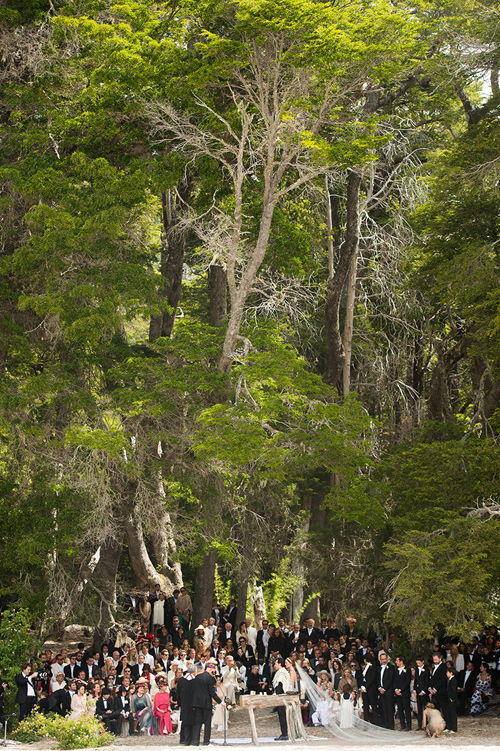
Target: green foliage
<point>222,588</point>
<point>17,643</point>
<point>278,588</point>
<point>433,572</point>
<point>87,732</point>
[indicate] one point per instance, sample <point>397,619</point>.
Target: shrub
<point>88,732</point>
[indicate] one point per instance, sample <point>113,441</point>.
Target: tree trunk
<point>172,260</point>
<point>336,285</point>
<point>103,581</point>
<point>217,285</point>
<point>204,589</point>
<point>163,545</point>
<point>438,405</point>
<point>349,324</point>
<point>145,574</point>
<point>242,597</point>
<point>297,597</point>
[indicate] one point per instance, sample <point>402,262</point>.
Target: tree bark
<point>172,260</point>
<point>104,582</point>
<point>438,404</point>
<point>145,574</point>
<point>349,324</point>
<point>217,285</point>
<point>204,589</point>
<point>348,250</point>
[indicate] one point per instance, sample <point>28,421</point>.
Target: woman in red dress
<point>161,707</point>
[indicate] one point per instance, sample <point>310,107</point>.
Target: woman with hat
<point>142,708</point>
<point>161,706</point>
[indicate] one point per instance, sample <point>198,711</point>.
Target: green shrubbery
<point>87,732</point>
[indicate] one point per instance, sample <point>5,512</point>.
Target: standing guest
<point>437,682</point>
<point>184,699</point>
<point>421,687</point>
<point>26,694</point>
<point>203,693</point>
<point>230,614</point>
<point>144,611</point>
<point>252,634</point>
<point>451,706</point>
<point>158,616</point>
<point>368,688</point>
<point>184,608</point>
<point>401,684</point>
<point>385,680</point>
<point>281,684</point>
<point>263,637</point>
<point>466,683</point>
<point>161,707</point>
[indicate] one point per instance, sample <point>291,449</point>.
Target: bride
<point>348,689</point>
<point>344,722</point>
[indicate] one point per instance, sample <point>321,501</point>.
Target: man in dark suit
<point>262,642</point>
<point>401,685</point>
<point>310,632</point>
<point>230,614</point>
<point>450,712</point>
<point>122,706</point>
<point>185,686</point>
<point>174,631</point>
<point>437,682</point>
<point>71,670</point>
<point>421,687</point>
<point>106,711</point>
<point>60,700</point>
<point>466,683</point>
<point>203,693</point>
<point>227,634</point>
<point>26,694</point>
<point>385,680</point>
<point>368,688</point>
<point>90,668</point>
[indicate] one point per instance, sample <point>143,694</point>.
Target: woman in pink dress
<point>161,707</point>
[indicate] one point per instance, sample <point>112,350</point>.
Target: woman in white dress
<point>78,703</point>
<point>348,689</point>
<point>220,713</point>
<point>158,619</point>
<point>325,690</point>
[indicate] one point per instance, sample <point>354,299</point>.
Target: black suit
<point>313,636</point>
<point>227,635</point>
<point>438,681</point>
<point>385,680</point>
<point>230,617</point>
<point>468,684</point>
<point>261,650</point>
<point>185,688</point>
<point>421,686</point>
<point>203,693</point>
<point>123,706</point>
<point>71,671</point>
<point>108,717</point>
<point>402,680</point>
<point>450,710</point>
<point>26,703</point>
<point>369,695</point>
<point>60,701</point>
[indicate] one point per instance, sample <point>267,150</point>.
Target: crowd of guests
<point>139,679</point>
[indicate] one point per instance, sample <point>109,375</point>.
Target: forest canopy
<point>249,302</point>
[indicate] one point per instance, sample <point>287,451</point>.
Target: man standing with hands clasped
<point>26,694</point>
<point>402,680</point>
<point>203,693</point>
